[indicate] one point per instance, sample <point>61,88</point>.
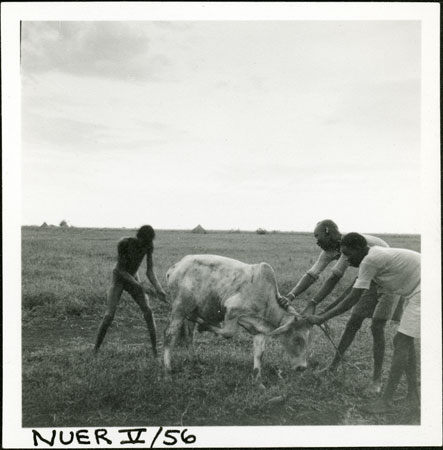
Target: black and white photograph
<point>216,220</point>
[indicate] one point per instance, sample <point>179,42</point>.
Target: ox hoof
<point>260,385</point>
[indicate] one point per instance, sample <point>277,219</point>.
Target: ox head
<point>294,332</point>
<point>295,335</point>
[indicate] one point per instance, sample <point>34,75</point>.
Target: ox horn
<point>292,311</point>
<point>281,329</point>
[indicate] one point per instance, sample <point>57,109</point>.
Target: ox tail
<point>169,273</point>
<point>175,270</point>
<point>171,280</point>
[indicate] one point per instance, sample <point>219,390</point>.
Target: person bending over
<point>376,305</point>
<point>397,271</point>
<point>131,251</point>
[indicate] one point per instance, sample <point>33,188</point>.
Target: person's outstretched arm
<point>350,300</point>
<point>152,277</point>
<point>328,286</point>
<point>339,298</point>
<point>311,275</point>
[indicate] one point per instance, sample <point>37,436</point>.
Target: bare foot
<point>374,388</point>
<point>413,401</point>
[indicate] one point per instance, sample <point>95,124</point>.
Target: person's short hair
<point>146,233</point>
<point>354,240</point>
<point>327,225</point>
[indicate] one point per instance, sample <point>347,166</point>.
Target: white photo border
<point>429,433</point>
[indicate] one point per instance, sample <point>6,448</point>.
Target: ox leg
<point>171,334</point>
<point>259,341</point>
<point>228,330</point>
<point>189,340</point>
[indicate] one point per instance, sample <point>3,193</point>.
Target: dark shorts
<point>379,305</point>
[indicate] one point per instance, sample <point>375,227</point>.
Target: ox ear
<point>255,325</point>
<point>283,328</point>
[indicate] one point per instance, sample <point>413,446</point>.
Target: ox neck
<point>276,314</point>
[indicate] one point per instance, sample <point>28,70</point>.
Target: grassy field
<point>65,276</point>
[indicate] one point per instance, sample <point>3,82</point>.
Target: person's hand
<point>303,322</point>
<point>283,302</point>
<point>314,319</point>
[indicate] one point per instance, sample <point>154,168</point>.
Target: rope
<point>337,350</point>
<point>331,341</point>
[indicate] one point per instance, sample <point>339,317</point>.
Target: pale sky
<point>227,124</point>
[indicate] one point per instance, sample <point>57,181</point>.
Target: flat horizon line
<point>212,230</point>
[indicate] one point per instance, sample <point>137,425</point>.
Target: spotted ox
<point>220,294</point>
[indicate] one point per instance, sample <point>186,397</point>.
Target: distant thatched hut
<point>199,229</point>
<point>44,225</point>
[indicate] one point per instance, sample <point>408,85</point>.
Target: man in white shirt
<point>378,306</point>
<point>396,271</point>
